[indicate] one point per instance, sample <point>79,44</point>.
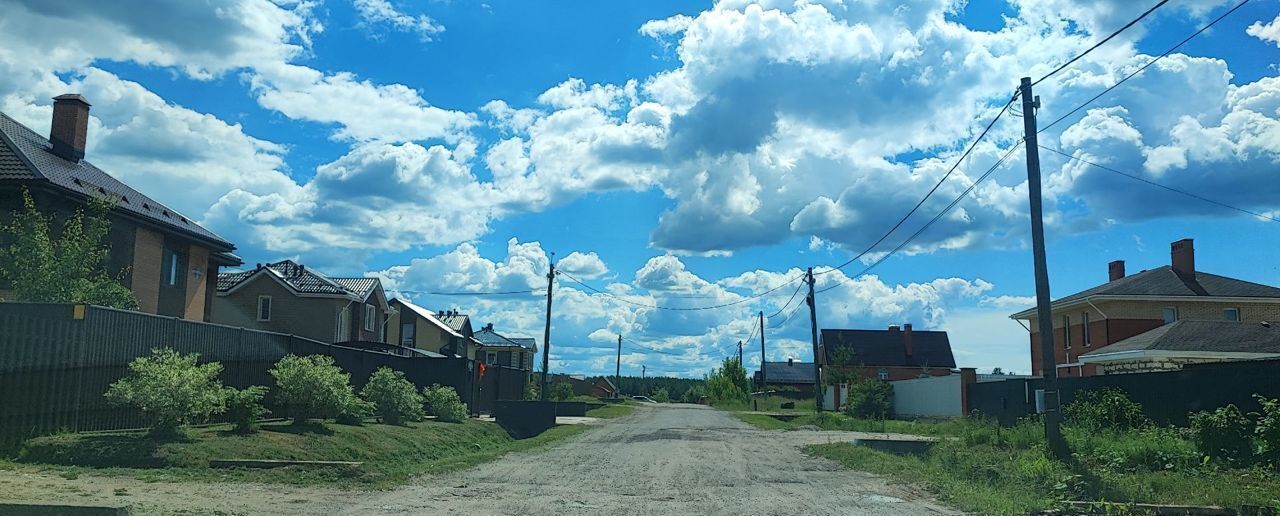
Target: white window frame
<point>883,374</point>
<point>1236,311</point>
<point>1066,331</point>
<point>369,315</point>
<point>491,357</point>
<point>1084,323</point>
<point>343,331</point>
<point>408,338</point>
<point>1164,314</point>
<point>270,307</point>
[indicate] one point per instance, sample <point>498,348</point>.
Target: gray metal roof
<point>1209,336</point>
<point>26,156</point>
<point>788,372</point>
<point>884,348</point>
<point>454,320</point>
<point>1164,281</point>
<point>302,279</point>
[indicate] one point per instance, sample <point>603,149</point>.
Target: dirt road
<point>672,459</point>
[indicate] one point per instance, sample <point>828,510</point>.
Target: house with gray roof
<point>169,261</point>
<point>1182,342</point>
<point>894,353</point>
<point>497,349</point>
<point>1090,322</point>
<point>791,374</point>
<point>444,331</point>
<point>289,297</point>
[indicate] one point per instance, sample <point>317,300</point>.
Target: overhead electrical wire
<point>1104,41</point>
<point>788,303</point>
<point>1136,177</point>
<point>464,293</point>
<point>1143,67</point>
<point>678,308</point>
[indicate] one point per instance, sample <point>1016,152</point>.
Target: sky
<point>679,154</point>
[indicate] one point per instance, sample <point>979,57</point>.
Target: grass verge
<point>612,411</point>
<point>986,469</point>
<point>391,454</point>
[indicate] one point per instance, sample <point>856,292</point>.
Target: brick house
<point>288,297</point>
<point>1183,342</point>
<point>1130,305</point>
<point>890,354</point>
<point>446,333</point>
<point>168,261</point>
<point>787,375</point>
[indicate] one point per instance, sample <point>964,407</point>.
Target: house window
<point>883,375</point>
<point>515,360</point>
<point>369,315</point>
<point>1231,314</point>
<point>490,357</point>
<point>406,333</point>
<point>1066,332</point>
<point>172,268</point>
<point>1170,314</point>
<point>264,308</point>
<point>343,333</point>
<point>1084,323</point>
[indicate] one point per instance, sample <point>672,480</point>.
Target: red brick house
<point>890,354</point>
<point>1131,305</point>
<point>168,261</point>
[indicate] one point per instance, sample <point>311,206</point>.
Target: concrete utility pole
<point>813,328</point>
<point>617,369</point>
<point>546,333</point>
<point>764,386</point>
<point>1044,313</point>
<point>740,362</point>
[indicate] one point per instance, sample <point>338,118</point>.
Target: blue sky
<point>677,153</point>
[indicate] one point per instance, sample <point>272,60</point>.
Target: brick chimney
<point>893,328</point>
<point>790,361</point>
<point>1115,270</point>
<point>906,339</point>
<point>1183,256</point>
<point>70,126</point>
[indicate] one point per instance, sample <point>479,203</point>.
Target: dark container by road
<point>524,419</point>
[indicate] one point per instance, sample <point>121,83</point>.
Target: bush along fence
<point>58,360</point>
<point>1166,397</point>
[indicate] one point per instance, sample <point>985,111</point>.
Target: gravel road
<point>669,459</point>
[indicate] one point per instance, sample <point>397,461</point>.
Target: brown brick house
<point>890,354</point>
<point>1174,345</point>
<point>1130,305</point>
<point>168,261</point>
<point>288,297</point>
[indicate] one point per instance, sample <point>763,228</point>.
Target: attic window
<point>124,199</point>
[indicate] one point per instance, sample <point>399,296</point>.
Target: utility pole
<point>1044,313</point>
<point>617,369</point>
<point>813,328</point>
<point>546,333</point>
<point>740,362</point>
<point>764,385</point>
<point>642,369</point>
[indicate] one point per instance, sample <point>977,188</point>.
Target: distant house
<point>168,261</point>
<point>890,354</point>
<point>1087,322</point>
<point>604,388</point>
<point>1183,342</point>
<point>495,349</point>
<point>787,375</point>
<point>288,297</point>
<point>446,333</point>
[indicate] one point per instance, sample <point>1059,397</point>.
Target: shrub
<point>170,389</point>
<point>353,410</point>
<point>728,383</point>
<point>394,397</point>
<point>693,395</point>
<point>1223,434</point>
<point>244,407</point>
<point>561,391</point>
<point>312,387</point>
<point>870,399</point>
<point>660,395</point>
<point>1268,429</point>
<point>1105,409</point>
<point>443,403</point>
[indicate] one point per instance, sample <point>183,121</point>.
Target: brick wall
<point>148,253</point>
<point>197,260</point>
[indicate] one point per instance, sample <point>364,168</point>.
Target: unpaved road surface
<point>665,460</point>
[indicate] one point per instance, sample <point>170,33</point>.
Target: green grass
<point>838,421</point>
<point>991,470</point>
<point>612,411</point>
<point>768,404</point>
<point>391,454</point>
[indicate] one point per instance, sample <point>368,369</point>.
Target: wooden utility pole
<point>1044,313</point>
<point>642,370</point>
<point>617,370</point>
<point>764,385</point>
<point>546,333</point>
<point>813,329</point>
<point>740,362</point>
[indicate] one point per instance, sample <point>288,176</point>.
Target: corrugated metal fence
<point>57,360</point>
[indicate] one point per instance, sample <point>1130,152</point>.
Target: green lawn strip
<point>768,404</point>
<point>991,470</point>
<point>838,421</point>
<point>391,454</point>
<point>611,411</point>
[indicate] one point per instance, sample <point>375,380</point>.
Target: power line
<point>944,177</point>
<point>647,348</point>
<point>1100,43</point>
<point>464,293</point>
<point>678,308</point>
<point>1143,67</point>
<point>788,303</point>
<point>931,222</point>
<point>1166,187</point>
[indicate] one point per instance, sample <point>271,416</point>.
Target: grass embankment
<point>987,469</point>
<point>612,411</point>
<point>391,454</point>
<point>769,404</point>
